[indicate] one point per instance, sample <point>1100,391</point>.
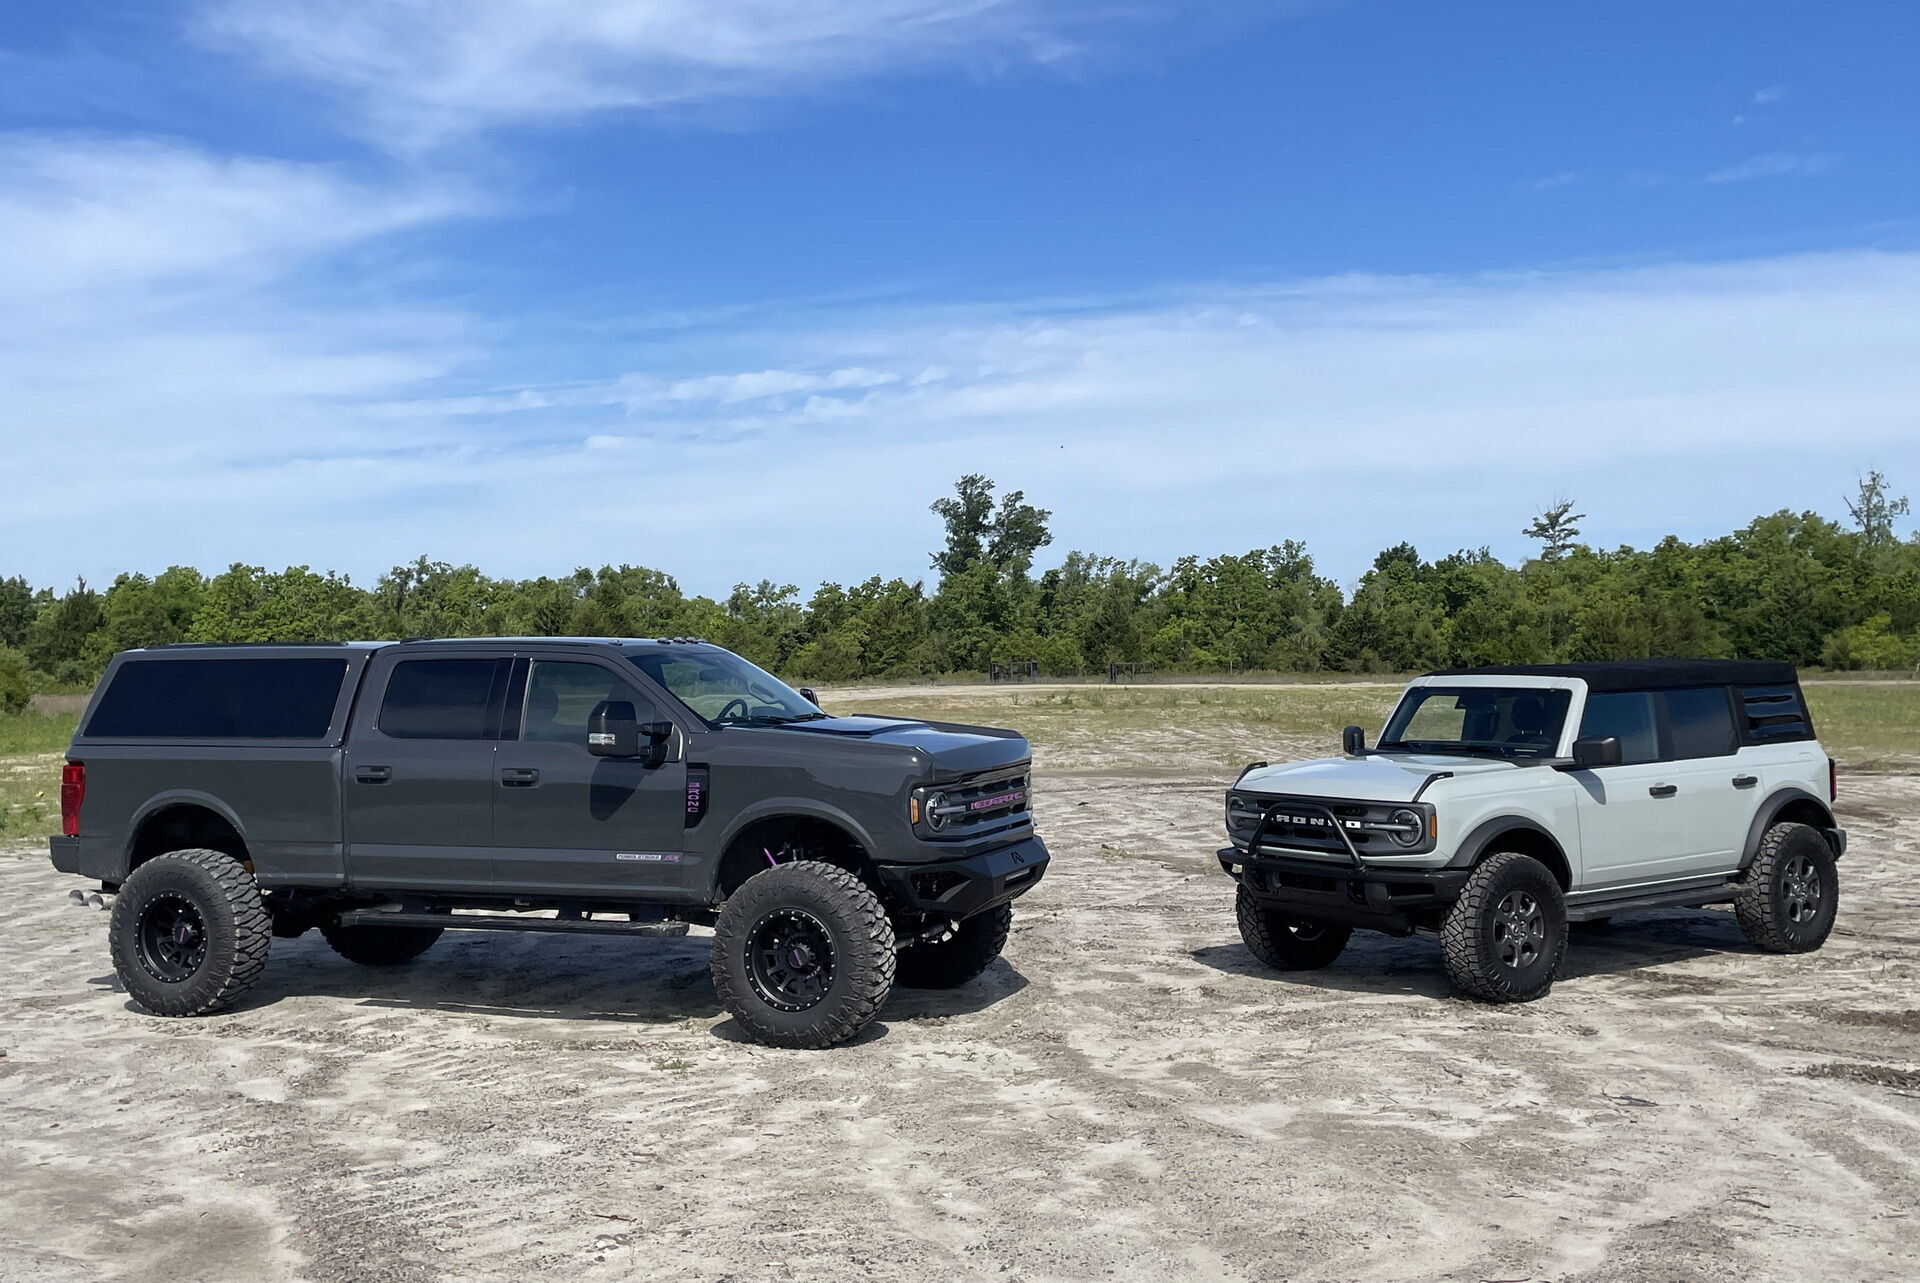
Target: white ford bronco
<point>1502,804</point>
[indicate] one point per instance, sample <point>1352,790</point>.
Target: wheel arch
<point>845,841</point>
<point>1789,806</point>
<point>1520,835</point>
<point>177,820</point>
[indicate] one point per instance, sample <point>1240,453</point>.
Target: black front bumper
<point>961,888</point>
<point>1384,899</point>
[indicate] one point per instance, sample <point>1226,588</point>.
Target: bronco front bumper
<point>961,888</point>
<point>1397,901</point>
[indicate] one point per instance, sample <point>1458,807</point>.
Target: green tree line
<point>1842,594</point>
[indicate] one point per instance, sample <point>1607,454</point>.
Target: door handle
<point>373,774</point>
<point>1745,781</point>
<point>1664,790</point>
<point>519,777</point>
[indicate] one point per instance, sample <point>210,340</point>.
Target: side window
<point>1700,723</point>
<point>1627,716</point>
<point>1775,713</point>
<point>441,699</point>
<point>561,696</point>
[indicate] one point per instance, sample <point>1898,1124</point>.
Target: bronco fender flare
<point>1806,809</point>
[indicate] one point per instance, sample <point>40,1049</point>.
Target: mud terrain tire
<point>1503,939</point>
<point>952,962</point>
<point>1288,943</point>
<point>189,933</point>
<point>803,955</point>
<point>373,945</point>
<point>1787,901</point>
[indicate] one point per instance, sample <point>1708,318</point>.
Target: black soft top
<point>1648,674</point>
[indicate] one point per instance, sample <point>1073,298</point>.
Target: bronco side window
<point>1700,722</point>
<point>1628,717</point>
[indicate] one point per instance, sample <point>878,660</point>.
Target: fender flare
<point>779,807</point>
<point>171,798</point>
<point>1483,836</point>
<point>1769,812</point>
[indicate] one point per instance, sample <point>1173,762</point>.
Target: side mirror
<point>1353,741</point>
<point>806,693</point>
<point>1596,750</point>
<point>614,729</point>
<point>658,735</point>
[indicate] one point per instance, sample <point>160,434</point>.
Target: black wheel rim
<point>1519,930</point>
<point>790,959</point>
<point>173,938</point>
<point>1800,893</point>
<point>1300,929</point>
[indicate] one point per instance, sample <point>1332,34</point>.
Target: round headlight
<point>1408,827</point>
<point>935,820</point>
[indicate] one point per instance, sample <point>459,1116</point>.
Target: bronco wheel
<point>189,933</point>
<point>1288,943</point>
<point>803,955</point>
<point>954,961</point>
<point>374,945</point>
<point>1791,892</point>
<point>1503,939</point>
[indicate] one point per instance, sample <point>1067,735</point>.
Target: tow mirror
<point>614,729</point>
<point>1353,741</point>
<point>1595,751</point>
<point>658,735</point>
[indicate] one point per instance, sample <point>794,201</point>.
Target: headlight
<point>1409,827</point>
<point>935,819</point>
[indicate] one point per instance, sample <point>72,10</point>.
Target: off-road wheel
<point>803,955</point>
<point>189,933</point>
<point>373,945</point>
<point>1791,891</point>
<point>1285,942</point>
<point>1503,939</point>
<point>954,961</point>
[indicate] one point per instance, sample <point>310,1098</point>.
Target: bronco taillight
<point>73,791</point>
<point>1833,780</point>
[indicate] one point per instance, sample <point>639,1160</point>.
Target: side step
<point>510,922</point>
<point>1693,897</point>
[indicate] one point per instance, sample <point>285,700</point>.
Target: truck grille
<point>990,800</point>
<point>1297,823</point>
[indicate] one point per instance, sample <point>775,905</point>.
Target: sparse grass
<point>1868,725</point>
<point>31,749</point>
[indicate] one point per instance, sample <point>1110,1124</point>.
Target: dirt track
<point>1124,1096</point>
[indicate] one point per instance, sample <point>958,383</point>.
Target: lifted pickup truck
<point>1502,804</point>
<point>383,793</point>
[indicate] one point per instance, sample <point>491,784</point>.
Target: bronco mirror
<point>1596,750</point>
<point>613,730</point>
<point>1353,741</point>
<point>806,693</point>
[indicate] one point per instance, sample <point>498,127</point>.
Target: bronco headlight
<point>1407,827</point>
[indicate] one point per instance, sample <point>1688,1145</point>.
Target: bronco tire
<point>1791,891</point>
<point>374,945</point>
<point>1288,943</point>
<point>954,961</point>
<point>803,955</point>
<point>1503,939</point>
<point>189,933</point>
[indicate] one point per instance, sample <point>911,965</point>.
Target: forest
<point>1838,594</point>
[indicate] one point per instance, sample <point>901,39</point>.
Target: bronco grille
<point>1301,824</point>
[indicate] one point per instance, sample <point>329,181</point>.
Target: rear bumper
<point>961,888</point>
<point>1384,899</point>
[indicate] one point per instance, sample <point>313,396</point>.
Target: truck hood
<point>1386,777</point>
<point>954,748</point>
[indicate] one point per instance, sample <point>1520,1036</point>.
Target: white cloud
<point>1775,164</point>
<point>1772,93</point>
<point>424,70</point>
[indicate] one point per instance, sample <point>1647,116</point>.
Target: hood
<point>960,749</point>
<point>1385,777</point>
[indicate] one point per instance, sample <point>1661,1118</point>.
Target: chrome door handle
<point>1664,790</point>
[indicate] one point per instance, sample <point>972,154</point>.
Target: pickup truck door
<point>571,824</point>
<point>419,773</point>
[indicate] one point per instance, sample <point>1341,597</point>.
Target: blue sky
<point>735,288</point>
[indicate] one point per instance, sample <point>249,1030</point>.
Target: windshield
<point>1489,721</point>
<point>725,689</point>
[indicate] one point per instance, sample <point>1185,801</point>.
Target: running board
<point>510,922</point>
<point>1686,898</point>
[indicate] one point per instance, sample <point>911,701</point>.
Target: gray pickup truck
<point>384,792</point>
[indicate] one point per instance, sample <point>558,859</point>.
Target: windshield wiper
<point>1446,748</point>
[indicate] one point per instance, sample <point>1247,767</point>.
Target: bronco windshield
<point>726,689</point>
<point>1485,721</point>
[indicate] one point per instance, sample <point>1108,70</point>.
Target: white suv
<point>1502,804</point>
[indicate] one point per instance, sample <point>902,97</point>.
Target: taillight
<point>73,791</point>
<point>1833,780</point>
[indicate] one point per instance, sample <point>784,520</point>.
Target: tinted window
<point>562,696</point>
<point>441,699</point>
<point>1700,722</point>
<point>1513,722</point>
<point>1629,718</point>
<point>722,687</point>
<point>1775,713</point>
<point>220,699</point>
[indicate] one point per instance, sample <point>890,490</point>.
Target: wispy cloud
<point>1775,164</point>
<point>420,71</point>
<point>1772,93</point>
<point>1565,178</point>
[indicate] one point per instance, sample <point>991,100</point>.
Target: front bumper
<point>1396,901</point>
<point>963,887</point>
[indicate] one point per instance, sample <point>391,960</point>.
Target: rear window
<point>1700,722</point>
<point>1775,713</point>
<point>222,698</point>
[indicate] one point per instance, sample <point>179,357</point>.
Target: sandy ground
<point>1125,1095</point>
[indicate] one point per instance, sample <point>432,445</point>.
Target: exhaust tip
<point>77,898</point>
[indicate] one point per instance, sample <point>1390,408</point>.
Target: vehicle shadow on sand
<point>600,980</point>
<point>1381,964</point>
